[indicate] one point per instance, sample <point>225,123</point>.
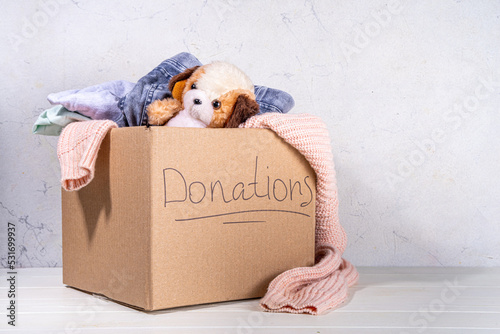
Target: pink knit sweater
<point>312,290</point>
<point>77,150</point>
<point>324,286</point>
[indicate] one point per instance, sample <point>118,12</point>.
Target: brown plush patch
<point>221,115</point>
<point>180,77</point>
<point>239,101</point>
<point>178,89</point>
<point>244,108</point>
<point>193,78</point>
<point>160,111</point>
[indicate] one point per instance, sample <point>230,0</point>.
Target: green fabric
<point>53,120</point>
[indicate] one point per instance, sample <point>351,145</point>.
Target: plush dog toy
<point>215,95</point>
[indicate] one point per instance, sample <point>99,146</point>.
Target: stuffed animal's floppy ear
<point>244,108</point>
<point>177,83</point>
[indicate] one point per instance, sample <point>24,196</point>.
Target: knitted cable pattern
<point>324,286</point>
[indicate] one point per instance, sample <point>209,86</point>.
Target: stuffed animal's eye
<point>216,104</point>
<point>193,86</point>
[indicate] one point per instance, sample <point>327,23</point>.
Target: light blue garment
<point>53,120</point>
<point>97,102</point>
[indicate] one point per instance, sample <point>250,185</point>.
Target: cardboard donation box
<point>184,216</point>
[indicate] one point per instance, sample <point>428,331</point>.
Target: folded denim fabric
<point>153,86</point>
<point>99,102</point>
<point>52,121</point>
<point>273,100</point>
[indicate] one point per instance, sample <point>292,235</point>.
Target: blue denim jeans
<point>125,102</point>
<point>154,86</point>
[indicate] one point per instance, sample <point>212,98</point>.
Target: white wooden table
<point>386,300</point>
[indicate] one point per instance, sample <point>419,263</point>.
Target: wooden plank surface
<point>386,300</point>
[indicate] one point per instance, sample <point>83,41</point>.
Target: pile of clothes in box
<point>182,92</point>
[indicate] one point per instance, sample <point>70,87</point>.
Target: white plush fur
<point>220,78</point>
<point>194,115</point>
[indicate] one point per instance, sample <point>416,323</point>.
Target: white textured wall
<point>409,90</point>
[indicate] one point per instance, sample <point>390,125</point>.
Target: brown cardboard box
<point>182,216</point>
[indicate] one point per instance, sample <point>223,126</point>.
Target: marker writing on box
<point>178,190</point>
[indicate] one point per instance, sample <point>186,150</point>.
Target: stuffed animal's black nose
<point>197,101</point>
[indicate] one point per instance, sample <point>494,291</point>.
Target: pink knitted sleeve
<point>324,286</point>
<point>77,150</point>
